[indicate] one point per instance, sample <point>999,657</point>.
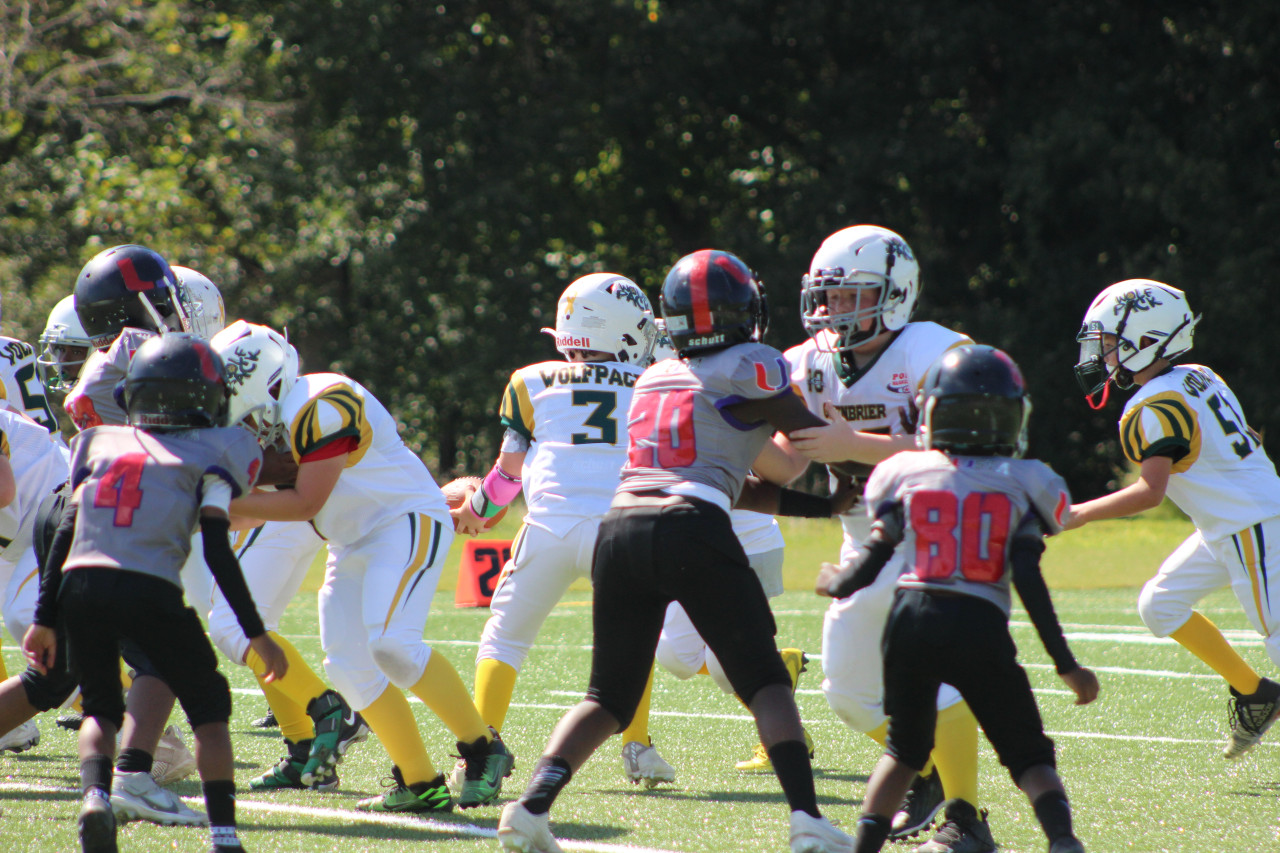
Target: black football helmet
<point>974,402</point>
<point>127,286</point>
<point>176,382</point>
<point>712,300</point>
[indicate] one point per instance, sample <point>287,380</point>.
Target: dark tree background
<point>408,187</point>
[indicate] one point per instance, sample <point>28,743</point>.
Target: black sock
<point>550,775</point>
<point>791,764</point>
<point>134,760</point>
<point>220,801</point>
<point>95,772</point>
<point>1054,814</point>
<point>872,832</point>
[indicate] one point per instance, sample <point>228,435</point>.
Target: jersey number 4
<point>661,430</point>
<point>119,488</point>
<point>982,525</point>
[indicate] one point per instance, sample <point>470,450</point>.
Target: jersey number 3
<point>119,488</point>
<point>982,522</point>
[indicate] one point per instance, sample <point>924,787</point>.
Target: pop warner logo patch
<point>764,383</point>
<point>899,384</point>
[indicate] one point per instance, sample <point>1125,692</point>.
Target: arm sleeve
<point>862,571</point>
<point>51,570</point>
<point>225,568</point>
<point>1024,554</point>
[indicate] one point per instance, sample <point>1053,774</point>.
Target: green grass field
<point>1142,764</point>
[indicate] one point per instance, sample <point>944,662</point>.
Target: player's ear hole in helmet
<point>973,402</point>
<point>262,368</point>
<point>127,286</point>
<point>174,382</point>
<point>63,348</point>
<point>712,300</point>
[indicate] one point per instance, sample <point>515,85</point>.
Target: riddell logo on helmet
<point>569,341</point>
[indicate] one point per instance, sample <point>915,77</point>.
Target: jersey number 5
<point>119,488</point>
<point>661,430</point>
<point>982,522</point>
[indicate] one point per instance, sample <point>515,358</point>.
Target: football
<point>461,489</point>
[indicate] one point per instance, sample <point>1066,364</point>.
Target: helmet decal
<point>207,367</point>
<point>131,278</point>
<point>241,363</point>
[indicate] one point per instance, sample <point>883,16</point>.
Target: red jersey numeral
<point>982,523</point>
<point>661,430</point>
<point>119,488</point>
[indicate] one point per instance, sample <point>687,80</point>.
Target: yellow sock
<point>301,684</point>
<point>955,751</point>
<point>295,725</point>
<point>702,670</point>
<point>441,689</point>
<point>879,733</point>
<point>1203,639</point>
<point>126,681</point>
<point>495,685</point>
<point>392,721</point>
<point>638,731</point>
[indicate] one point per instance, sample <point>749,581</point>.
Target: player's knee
<point>1161,614</point>
<point>210,703</point>
<point>403,665</point>
<point>48,691</point>
<point>857,715</point>
<point>233,644</point>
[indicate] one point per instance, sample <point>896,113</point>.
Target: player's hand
<point>273,657</point>
<point>465,521</point>
<point>1083,683</point>
<point>1072,521</point>
<point>834,442</point>
<point>826,574</point>
<point>40,646</point>
<point>278,467</point>
<point>846,495</point>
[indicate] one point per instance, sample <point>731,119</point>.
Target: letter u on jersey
<point>762,376</point>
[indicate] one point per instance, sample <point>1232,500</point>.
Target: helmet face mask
<point>262,368</point>
<point>711,300</point>
<point>175,382</point>
<point>1128,327</point>
<point>127,286</point>
<point>863,281</point>
<point>63,348</point>
<point>973,402</point>
<point>606,313</point>
<point>206,311</point>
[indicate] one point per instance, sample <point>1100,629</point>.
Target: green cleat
<point>337,729</point>
<point>287,774</point>
<point>420,797</point>
<point>488,763</point>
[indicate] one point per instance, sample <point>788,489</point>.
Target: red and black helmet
<point>127,286</point>
<point>712,300</point>
<point>973,402</point>
<point>176,381</point>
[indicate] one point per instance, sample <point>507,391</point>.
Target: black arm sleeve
<point>51,569</point>
<point>1024,554</point>
<point>886,533</point>
<point>225,567</point>
<point>798,504</point>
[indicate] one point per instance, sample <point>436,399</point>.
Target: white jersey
<point>20,388</point>
<point>383,480</point>
<point>40,464</point>
<point>1222,477</point>
<point>574,416</point>
<point>757,531</point>
<point>881,397</point>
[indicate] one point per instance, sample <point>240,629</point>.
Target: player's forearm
<point>1130,500</point>
<point>46,613</point>
<point>1027,579</point>
<point>225,569</point>
<point>283,505</point>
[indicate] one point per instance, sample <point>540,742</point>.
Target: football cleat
<point>70,721</point>
<point>922,804</point>
<point>811,834</point>
<point>136,796</point>
<point>488,763</point>
<point>1249,717</point>
<point>963,830</point>
<point>796,662</point>
<point>267,722</point>
<point>522,831</point>
<point>287,773</point>
<point>1070,844</point>
<point>642,763</point>
<point>759,759</point>
<point>337,728</point>
<point>420,797</point>
<point>173,760</point>
<point>21,738</point>
<point>97,823</point>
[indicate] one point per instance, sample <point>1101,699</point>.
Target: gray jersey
<point>92,402</point>
<point>680,433</point>
<point>139,493</point>
<point>961,515</point>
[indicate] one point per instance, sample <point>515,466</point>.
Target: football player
<point>972,515</point>
<point>695,426</point>
<point>1186,431</point>
<point>20,388</point>
<point>317,723</point>
<point>564,444</point>
<point>387,529</point>
<point>113,569</point>
<point>64,348</point>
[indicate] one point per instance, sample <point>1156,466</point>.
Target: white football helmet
<point>64,346</point>
<point>206,313</point>
<point>609,313</point>
<point>863,261</point>
<point>262,367</point>
<point>1149,320</point>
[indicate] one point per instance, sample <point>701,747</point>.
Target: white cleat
<point>136,796</point>
<point>817,835</point>
<point>642,763</point>
<point>521,831</point>
<point>173,760</point>
<point>20,739</point>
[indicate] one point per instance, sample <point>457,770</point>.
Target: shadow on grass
<point>1260,791</point>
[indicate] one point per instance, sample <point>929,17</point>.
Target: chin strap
<point>1106,394</point>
